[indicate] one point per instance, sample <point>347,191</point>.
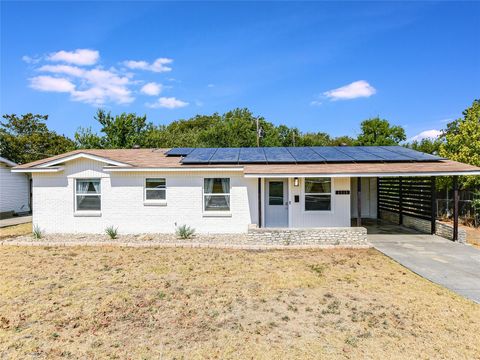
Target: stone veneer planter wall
<point>442,229</point>
<point>350,236</point>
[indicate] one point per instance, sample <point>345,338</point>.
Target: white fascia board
<point>7,162</point>
<point>85,156</point>
<point>177,169</point>
<point>431,173</point>
<point>38,170</point>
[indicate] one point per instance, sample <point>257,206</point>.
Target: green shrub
<point>112,232</point>
<point>37,232</point>
<point>185,232</point>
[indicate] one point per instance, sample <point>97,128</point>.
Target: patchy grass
<point>15,230</point>
<point>111,302</point>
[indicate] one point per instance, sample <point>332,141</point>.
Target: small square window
<point>155,189</point>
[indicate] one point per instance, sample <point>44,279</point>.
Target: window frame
<point>76,195</point>
<point>217,212</point>
<point>145,189</point>
<point>326,193</point>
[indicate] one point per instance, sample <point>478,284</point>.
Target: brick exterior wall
<point>442,229</point>
<point>313,236</point>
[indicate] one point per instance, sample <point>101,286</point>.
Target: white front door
<point>276,203</point>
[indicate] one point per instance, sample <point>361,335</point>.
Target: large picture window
<point>318,194</point>
<point>88,195</point>
<point>216,194</point>
<point>155,189</point>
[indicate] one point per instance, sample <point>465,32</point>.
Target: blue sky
<point>317,66</point>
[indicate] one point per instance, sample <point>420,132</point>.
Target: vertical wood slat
<point>259,202</point>
<point>400,201</point>
<point>359,201</point>
<point>433,190</point>
<point>455,208</point>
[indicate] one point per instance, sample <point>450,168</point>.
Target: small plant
<point>185,232</point>
<point>476,208</point>
<point>112,232</point>
<point>37,232</point>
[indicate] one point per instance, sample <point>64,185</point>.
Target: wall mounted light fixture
<point>295,181</point>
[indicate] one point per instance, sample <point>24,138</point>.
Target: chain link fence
<point>466,211</point>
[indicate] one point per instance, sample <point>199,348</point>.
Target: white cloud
<point>151,89</point>
<point>30,60</point>
<point>77,57</point>
<point>63,69</point>
<point>95,86</point>
<point>159,65</point>
<point>211,85</point>
<point>354,90</point>
<point>49,83</point>
<point>315,103</point>
<point>427,134</point>
<point>167,102</point>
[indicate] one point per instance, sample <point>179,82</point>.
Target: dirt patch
<point>16,230</point>
<point>111,302</point>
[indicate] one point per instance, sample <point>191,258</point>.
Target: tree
<point>121,131</point>
<point>378,131</point>
<point>462,141</point>
<point>429,146</point>
<point>27,138</point>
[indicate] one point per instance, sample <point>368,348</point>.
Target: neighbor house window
<point>88,195</point>
<point>318,195</point>
<point>155,189</point>
<point>216,194</point>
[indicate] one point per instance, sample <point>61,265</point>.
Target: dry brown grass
<point>15,230</point>
<point>158,303</point>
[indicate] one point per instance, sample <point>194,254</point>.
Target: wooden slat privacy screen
<point>410,196</point>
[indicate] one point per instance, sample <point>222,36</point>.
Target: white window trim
<point>214,213</point>
<point>304,194</point>
<point>160,202</point>
<point>86,213</point>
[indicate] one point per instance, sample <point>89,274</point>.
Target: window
<point>318,195</point>
<point>155,189</point>
<point>88,195</point>
<point>216,194</point>
<point>275,193</point>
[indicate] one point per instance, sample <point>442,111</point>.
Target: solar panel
<point>415,155</point>
<point>386,154</point>
<point>305,154</point>
<point>278,155</point>
<point>331,154</point>
<point>252,155</point>
<point>179,151</point>
<point>199,156</point>
<point>225,155</point>
<point>358,154</point>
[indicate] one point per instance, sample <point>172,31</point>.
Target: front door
<point>276,203</point>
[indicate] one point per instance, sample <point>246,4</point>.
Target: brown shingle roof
<point>156,158</point>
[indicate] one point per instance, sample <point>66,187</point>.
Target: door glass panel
<point>275,193</point>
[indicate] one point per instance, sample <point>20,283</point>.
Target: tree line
<point>27,138</point>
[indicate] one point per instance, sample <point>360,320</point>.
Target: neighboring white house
<point>14,189</point>
<point>213,190</point>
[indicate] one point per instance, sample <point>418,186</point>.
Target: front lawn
<point>163,303</point>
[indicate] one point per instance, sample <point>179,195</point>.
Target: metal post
<point>400,201</point>
<point>433,195</point>
<point>259,202</point>
<point>455,208</point>
<point>359,201</point>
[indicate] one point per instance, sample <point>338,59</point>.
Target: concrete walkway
<point>455,266</point>
<point>15,221</point>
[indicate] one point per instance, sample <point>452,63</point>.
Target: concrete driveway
<point>455,266</point>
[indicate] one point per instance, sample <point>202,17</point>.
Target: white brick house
<point>148,191</point>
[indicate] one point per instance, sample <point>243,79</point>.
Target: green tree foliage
<point>120,131</point>
<point>462,141</point>
<point>27,138</point>
<point>378,131</point>
<point>429,146</point>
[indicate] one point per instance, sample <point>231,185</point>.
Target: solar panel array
<point>296,155</point>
